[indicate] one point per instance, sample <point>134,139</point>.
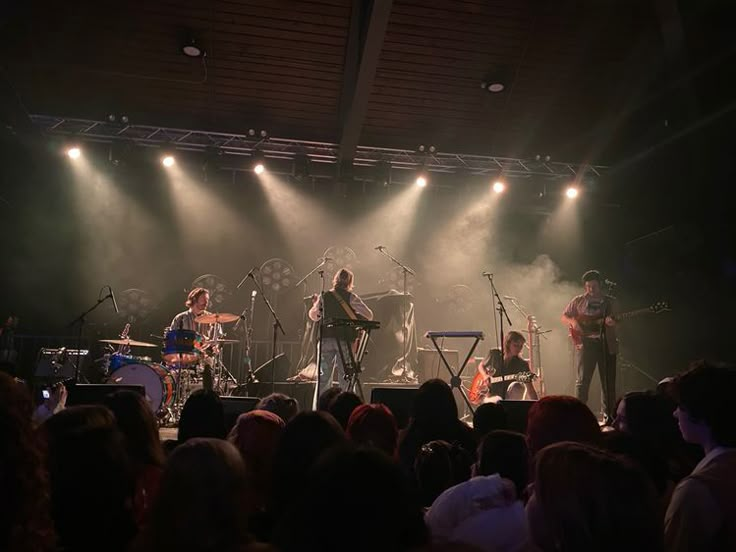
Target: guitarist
<point>339,302</point>
<point>508,364</point>
<point>590,318</point>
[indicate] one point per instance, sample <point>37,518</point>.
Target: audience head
<point>202,416</point>
<point>325,398</point>
<point>557,418</point>
<point>505,453</point>
<point>136,421</point>
<point>438,466</point>
<point>645,454</point>
<point>646,415</point>
<point>704,412</point>
<point>303,441</point>
<point>367,501</point>
<point>586,499</point>
<point>489,417</point>
<point>282,405</point>
<point>256,435</point>
<point>92,479</point>
<point>342,406</point>
<point>25,511</point>
<point>374,425</point>
<point>434,404</point>
<point>203,501</point>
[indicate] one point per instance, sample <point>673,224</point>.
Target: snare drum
<point>182,347</point>
<point>156,379</point>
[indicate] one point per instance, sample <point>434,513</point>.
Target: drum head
<point>153,377</point>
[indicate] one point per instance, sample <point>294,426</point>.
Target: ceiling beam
<point>365,43</point>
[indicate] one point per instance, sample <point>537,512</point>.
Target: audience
<point>203,501</point>
<point>434,417</point>
<point>586,499</point>
<point>505,453</point>
<point>92,480</point>
<point>342,406</point>
<point>355,499</point>
<point>202,416</point>
<point>438,466</point>
<point>25,508</point>
<point>374,425</point>
<point>557,418</point>
<point>136,421</point>
<point>702,512</point>
<point>284,406</point>
<point>489,417</point>
<point>325,398</point>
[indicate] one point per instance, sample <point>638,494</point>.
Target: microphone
<point>379,248</point>
<point>114,303</point>
<point>252,270</point>
<point>253,294</point>
<point>486,274</point>
<point>325,259</point>
<point>610,283</point>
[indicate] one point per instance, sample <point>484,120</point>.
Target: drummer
<point>198,300</point>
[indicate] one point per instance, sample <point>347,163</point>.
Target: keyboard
<point>352,323</point>
<point>460,333</point>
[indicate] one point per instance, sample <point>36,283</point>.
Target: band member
<point>197,302</point>
<point>590,317</point>
<point>339,302</point>
<point>509,364</point>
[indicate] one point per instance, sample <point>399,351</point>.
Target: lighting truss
<point>317,152</point>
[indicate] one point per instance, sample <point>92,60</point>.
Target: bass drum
<point>158,382</point>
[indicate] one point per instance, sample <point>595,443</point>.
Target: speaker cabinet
<point>235,406</point>
<point>94,393</point>
<point>516,414</point>
<point>398,398</point>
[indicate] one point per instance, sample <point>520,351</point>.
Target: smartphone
<point>45,393</point>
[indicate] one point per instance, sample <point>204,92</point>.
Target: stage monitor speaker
<point>235,406</point>
<point>94,393</point>
<point>303,392</point>
<point>398,398</point>
<point>430,365</point>
<point>267,372</point>
<point>516,414</point>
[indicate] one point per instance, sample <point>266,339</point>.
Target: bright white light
<point>499,186</point>
<point>74,153</point>
<point>168,161</point>
<point>259,168</point>
<point>571,192</point>
<point>421,181</point>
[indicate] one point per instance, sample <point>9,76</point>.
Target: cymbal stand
<point>502,312</point>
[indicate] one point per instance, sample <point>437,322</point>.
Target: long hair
<point>194,295</point>
<point>343,279</point>
<point>589,499</point>
<point>557,418</point>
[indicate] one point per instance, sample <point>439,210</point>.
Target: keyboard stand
<point>353,366</point>
<point>455,380</point>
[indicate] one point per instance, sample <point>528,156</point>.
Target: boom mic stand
<point>276,327</point>
<point>318,341</point>
<point>81,319</point>
<point>406,271</point>
<point>502,313</point>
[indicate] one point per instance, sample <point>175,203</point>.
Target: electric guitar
<point>481,384</point>
<point>577,336</point>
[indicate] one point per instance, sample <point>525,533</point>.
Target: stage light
<point>74,153</point>
<point>259,168</point>
<point>168,161</point>
<point>498,186</point>
<point>571,192</point>
<point>421,181</point>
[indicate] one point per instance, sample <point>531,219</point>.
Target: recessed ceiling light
<point>191,49</point>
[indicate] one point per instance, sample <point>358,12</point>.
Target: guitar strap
<point>347,308</point>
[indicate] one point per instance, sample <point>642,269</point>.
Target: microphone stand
<point>502,313</point>
<point>276,327</point>
<point>406,271</point>
<point>315,269</point>
<point>318,341</point>
<point>81,319</point>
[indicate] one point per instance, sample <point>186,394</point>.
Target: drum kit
<point>189,359</point>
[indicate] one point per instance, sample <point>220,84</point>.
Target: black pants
<point>595,353</point>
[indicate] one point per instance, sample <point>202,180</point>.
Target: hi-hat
<point>128,342</point>
<point>216,318</point>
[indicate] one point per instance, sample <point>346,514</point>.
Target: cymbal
<point>213,318</point>
<point>128,342</point>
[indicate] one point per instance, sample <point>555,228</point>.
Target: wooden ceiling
<point>394,74</point>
